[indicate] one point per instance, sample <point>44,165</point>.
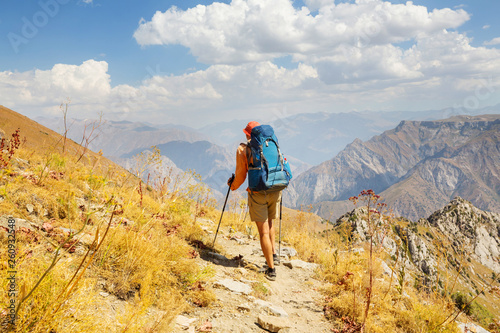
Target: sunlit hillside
<point>86,230</point>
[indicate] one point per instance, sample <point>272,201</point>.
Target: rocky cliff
<point>417,167</point>
<point>455,249</point>
<point>471,231</point>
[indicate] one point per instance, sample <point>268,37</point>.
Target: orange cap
<point>248,130</point>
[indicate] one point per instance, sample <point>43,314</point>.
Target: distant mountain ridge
<point>313,138</point>
<point>116,138</point>
<point>417,167</point>
<point>213,163</point>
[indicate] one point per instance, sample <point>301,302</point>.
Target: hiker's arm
<point>241,167</point>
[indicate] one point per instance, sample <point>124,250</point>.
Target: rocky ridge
<point>457,240</point>
<point>472,231</point>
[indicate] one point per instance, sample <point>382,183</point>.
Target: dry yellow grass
<point>143,258</point>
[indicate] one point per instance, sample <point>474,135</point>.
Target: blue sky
<point>201,62</point>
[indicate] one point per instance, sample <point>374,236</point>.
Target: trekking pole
<point>224,207</point>
<point>281,213</point>
<point>246,212</point>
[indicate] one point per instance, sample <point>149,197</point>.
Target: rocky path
<point>247,302</point>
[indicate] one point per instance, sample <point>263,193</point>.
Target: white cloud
<point>257,30</point>
<point>162,97</point>
<point>215,92</point>
<point>494,41</point>
<point>487,26</point>
<point>89,81</point>
<point>344,56</point>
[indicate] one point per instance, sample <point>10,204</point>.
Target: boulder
<point>234,286</point>
<point>273,324</point>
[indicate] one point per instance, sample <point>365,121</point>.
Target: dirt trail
<point>292,300</point>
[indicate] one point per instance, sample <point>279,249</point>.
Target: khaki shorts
<point>264,205</point>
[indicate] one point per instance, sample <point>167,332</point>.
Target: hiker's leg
<point>272,236</point>
<point>265,242</point>
<point>274,199</point>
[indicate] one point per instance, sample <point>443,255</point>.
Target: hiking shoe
<point>276,260</point>
<point>271,274</point>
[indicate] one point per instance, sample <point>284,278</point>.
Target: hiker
<point>264,197</point>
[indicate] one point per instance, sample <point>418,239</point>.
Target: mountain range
<point>308,139</point>
<point>417,167</point>
<point>313,138</point>
<point>182,148</point>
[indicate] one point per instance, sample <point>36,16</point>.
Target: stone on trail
<point>262,303</point>
<point>234,286</point>
<point>242,271</point>
<point>184,321</point>
<point>277,311</point>
<point>288,251</point>
<point>273,324</point>
<point>244,307</point>
<point>238,240</point>
<point>30,208</point>
<point>205,327</point>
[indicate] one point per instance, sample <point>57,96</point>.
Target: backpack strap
<point>248,152</point>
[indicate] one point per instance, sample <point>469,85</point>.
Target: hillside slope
<point>44,140</point>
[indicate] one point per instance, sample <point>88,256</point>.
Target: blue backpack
<point>268,169</point>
